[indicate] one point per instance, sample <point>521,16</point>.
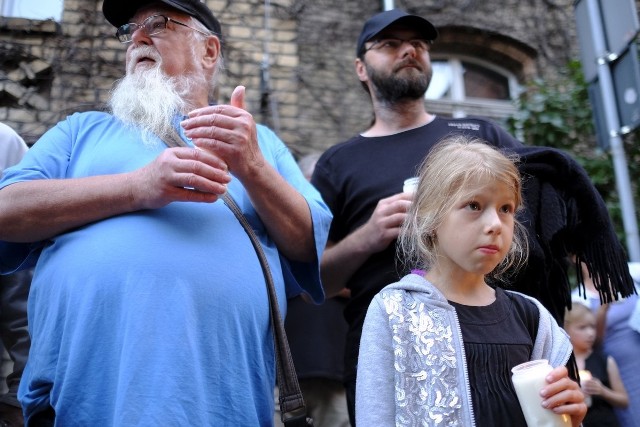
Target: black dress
<point>600,413</point>
<point>496,338</point>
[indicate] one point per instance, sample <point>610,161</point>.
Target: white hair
<point>147,99</point>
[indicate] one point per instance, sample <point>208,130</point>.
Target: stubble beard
<point>148,100</point>
<point>391,88</point>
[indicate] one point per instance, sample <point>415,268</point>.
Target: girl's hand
<point>593,387</point>
<point>563,396</point>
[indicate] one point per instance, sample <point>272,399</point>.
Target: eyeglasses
<point>392,45</point>
<point>152,25</point>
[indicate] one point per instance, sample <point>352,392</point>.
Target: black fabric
<point>600,413</point>
<point>316,336</point>
<point>44,418</point>
<point>14,292</point>
<point>496,338</point>
<point>350,391</point>
<point>353,176</point>
<point>566,215</point>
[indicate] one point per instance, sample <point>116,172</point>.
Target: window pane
<point>481,82</point>
<point>440,86</point>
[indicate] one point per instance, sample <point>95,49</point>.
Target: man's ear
<point>212,52</point>
<point>361,70</point>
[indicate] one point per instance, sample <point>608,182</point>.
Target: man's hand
<point>179,174</point>
<point>384,225</point>
<point>342,259</point>
<point>229,132</point>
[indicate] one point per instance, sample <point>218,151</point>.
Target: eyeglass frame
<point>143,26</point>
<point>411,42</point>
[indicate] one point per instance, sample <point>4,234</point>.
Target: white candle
<point>410,185</point>
<point>528,379</point>
<point>584,376</point>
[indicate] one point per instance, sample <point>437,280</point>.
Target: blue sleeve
<point>299,276</point>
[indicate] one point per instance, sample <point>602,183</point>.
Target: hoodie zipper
<point>464,368</point>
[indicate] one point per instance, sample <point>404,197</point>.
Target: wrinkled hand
<point>229,132</point>
<point>563,396</point>
<point>384,225</point>
<point>179,174</point>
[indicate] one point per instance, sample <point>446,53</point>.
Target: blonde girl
<point>437,347</point>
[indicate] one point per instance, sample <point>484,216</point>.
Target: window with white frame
<point>463,86</point>
<point>32,9</point>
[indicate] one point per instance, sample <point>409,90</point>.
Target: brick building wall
<point>49,70</point>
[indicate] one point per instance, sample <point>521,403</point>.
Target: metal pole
<point>615,141</point>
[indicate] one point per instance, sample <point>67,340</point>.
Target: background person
<point>618,338</point>
<point>12,147</point>
<point>148,304</point>
<point>14,291</point>
<point>599,375</point>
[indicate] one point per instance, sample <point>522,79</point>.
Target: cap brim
<point>382,21</point>
<point>120,12</point>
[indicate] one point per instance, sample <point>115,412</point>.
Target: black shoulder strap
<point>292,405</point>
<point>292,408</point>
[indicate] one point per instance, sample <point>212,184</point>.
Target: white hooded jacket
<point>411,326</point>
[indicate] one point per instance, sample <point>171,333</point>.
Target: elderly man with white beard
<point>148,305</point>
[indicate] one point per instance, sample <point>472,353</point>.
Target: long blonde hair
<point>453,168</point>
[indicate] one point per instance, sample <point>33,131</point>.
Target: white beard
<point>148,100</point>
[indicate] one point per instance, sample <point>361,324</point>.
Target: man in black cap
<point>148,305</point>
<point>362,179</point>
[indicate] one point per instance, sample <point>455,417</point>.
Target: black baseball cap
<point>119,12</point>
<point>382,20</point>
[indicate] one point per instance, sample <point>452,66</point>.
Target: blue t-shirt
<point>155,317</point>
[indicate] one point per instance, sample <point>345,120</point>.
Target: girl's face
<point>477,234</point>
<point>582,332</point>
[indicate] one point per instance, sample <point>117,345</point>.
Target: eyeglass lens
<point>152,26</point>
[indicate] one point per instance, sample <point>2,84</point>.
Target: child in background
<point>618,338</point>
<point>599,374</point>
<point>438,348</point>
